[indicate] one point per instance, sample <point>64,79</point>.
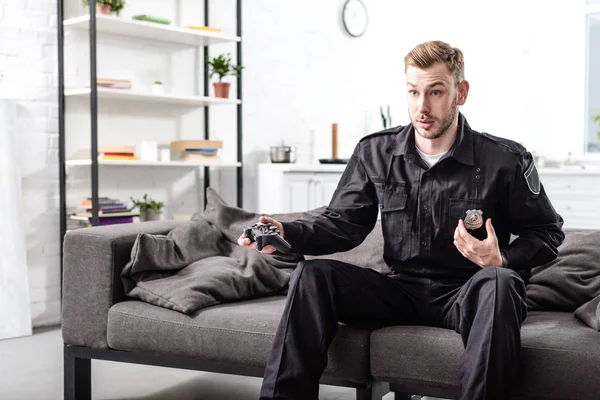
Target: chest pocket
<point>458,210</point>
<point>394,218</point>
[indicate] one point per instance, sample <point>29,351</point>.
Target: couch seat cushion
<point>239,333</point>
<point>560,359</point>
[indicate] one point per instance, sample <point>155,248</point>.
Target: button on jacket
<point>420,207</point>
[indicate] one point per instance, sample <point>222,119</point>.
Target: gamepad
<point>266,234</point>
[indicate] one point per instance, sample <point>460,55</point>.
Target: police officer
<point>449,199</point>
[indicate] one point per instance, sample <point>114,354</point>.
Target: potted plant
<point>157,87</point>
<point>150,210</point>
<point>222,66</point>
<point>108,7</point>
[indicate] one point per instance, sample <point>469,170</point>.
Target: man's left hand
<point>484,253</point>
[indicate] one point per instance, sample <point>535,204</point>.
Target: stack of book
<point>120,84</point>
<point>198,150</point>
<point>117,153</point>
<point>111,211</point>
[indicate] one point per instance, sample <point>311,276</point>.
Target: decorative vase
<point>150,215</point>
<point>158,89</point>
<point>103,9</point>
<point>221,89</point>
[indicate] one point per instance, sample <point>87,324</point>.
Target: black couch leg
<point>373,391</point>
<point>402,396</point>
<point>78,376</point>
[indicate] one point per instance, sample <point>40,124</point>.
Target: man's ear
<point>463,92</point>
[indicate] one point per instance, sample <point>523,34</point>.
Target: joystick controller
<point>266,234</point>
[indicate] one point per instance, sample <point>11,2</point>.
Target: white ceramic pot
<point>158,89</point>
<point>150,215</point>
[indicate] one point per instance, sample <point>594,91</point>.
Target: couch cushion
<point>239,333</point>
<point>572,279</point>
<point>561,358</point>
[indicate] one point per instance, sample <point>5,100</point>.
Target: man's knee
<point>311,270</point>
<point>506,281</point>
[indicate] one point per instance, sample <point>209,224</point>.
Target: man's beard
<point>444,124</point>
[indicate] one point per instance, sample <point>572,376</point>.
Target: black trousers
<point>487,311</point>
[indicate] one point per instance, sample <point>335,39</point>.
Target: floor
<point>31,368</point>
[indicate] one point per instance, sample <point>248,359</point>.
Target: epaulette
<point>389,131</point>
<point>510,145</point>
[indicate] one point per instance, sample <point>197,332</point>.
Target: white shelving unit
<point>171,41</point>
<point>117,94</point>
<point>150,30</point>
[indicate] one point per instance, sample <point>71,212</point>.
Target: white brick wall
<point>302,73</point>
<point>28,66</point>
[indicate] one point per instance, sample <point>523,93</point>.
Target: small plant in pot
<point>150,209</point>
<point>597,121</point>
<point>158,88</point>
<point>222,66</point>
<point>107,7</point>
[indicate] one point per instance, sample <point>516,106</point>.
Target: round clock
<point>354,16</point>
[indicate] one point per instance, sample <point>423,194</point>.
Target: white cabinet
<point>575,195</point>
<point>284,188</point>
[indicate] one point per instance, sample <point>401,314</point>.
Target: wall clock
<point>355,18</point>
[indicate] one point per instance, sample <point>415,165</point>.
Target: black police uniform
<point>432,283</point>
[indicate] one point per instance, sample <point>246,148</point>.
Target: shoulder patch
<point>532,178</point>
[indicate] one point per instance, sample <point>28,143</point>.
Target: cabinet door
<point>298,191</point>
<point>324,187</point>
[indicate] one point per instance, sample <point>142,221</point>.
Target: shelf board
<point>150,30</point>
<point>142,163</point>
<point>120,94</point>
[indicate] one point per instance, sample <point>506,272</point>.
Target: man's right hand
<point>268,249</point>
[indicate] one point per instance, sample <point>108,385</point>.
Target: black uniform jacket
<point>420,206</point>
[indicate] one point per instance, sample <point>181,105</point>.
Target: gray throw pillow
<point>233,220</point>
<point>589,313</point>
<point>571,280</point>
<point>369,254</point>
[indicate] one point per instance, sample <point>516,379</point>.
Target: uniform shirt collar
<point>461,150</point>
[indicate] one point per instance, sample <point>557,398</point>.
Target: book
<point>204,28</point>
<point>151,18</point>
<point>120,158</point>
<point>119,154</point>
<point>102,201</point>
<point>196,144</point>
<point>199,157</point>
<point>87,222</point>
<point>116,149</point>
<point>108,209</point>
<point>111,83</point>
<point>110,215</point>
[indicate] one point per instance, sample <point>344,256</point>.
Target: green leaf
<point>147,203</point>
<point>221,65</point>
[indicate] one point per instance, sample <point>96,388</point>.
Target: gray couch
<point>561,355</point>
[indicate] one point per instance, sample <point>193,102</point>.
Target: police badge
<point>474,219</point>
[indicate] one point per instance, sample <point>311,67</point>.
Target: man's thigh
<point>365,298</point>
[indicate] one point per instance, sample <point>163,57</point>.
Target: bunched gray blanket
<point>200,264</point>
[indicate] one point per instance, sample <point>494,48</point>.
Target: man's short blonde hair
<point>428,53</point>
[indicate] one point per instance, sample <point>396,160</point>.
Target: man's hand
<point>484,253</point>
<point>268,249</point>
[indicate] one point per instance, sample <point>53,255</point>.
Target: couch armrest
<point>93,259</point>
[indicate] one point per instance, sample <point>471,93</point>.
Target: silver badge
<point>474,219</point>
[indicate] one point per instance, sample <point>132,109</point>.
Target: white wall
<point>525,62</point>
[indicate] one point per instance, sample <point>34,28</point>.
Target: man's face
<point>433,99</point>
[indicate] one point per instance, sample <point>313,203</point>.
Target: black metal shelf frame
<point>94,114</point>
